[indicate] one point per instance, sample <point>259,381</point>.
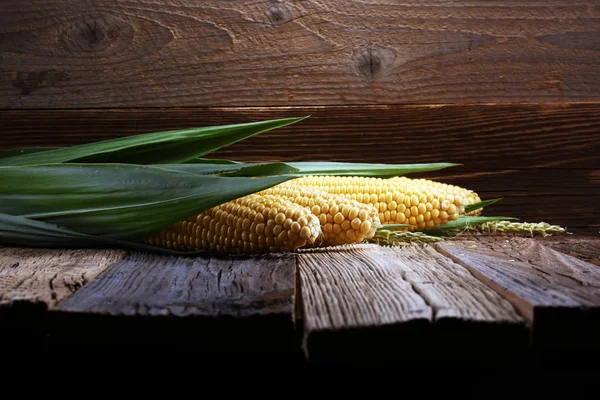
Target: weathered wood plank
<point>586,248</point>
<point>367,302</point>
<point>152,284</point>
<point>186,303</point>
<point>511,153</point>
<point>499,137</point>
<point>247,53</point>
<point>352,288</point>
<point>47,276</point>
<point>449,288</point>
<point>559,294</point>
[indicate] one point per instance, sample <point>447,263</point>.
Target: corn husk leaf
<point>204,166</point>
<point>212,161</point>
<point>120,201</point>
<point>453,227</point>
<point>21,231</point>
<point>152,148</point>
<point>364,169</point>
<point>316,168</point>
<point>238,169</point>
<point>481,204</point>
<point>4,153</point>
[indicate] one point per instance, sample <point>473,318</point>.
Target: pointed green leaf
<point>4,153</point>
<point>212,161</point>
<point>129,202</point>
<point>240,169</point>
<point>364,169</point>
<point>481,204</point>
<point>21,231</point>
<point>152,148</point>
<point>346,169</point>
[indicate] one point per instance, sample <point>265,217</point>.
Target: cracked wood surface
<point>47,276</point>
<point>371,302</point>
<point>217,305</point>
<point>451,291</point>
<point>247,53</point>
<point>530,274</point>
<point>146,284</point>
<point>585,248</point>
<point>557,293</point>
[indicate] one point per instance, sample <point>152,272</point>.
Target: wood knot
<point>97,34</point>
<point>279,13</point>
<point>29,82</point>
<point>371,60</point>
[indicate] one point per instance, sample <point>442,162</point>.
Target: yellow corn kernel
<point>413,200</point>
<point>335,212</point>
<point>240,226</point>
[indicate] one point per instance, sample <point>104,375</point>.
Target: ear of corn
<point>464,196</point>
<point>420,203</point>
<point>319,210</point>
<point>87,203</point>
<point>254,223</point>
<point>343,220</point>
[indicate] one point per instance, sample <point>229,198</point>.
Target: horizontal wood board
<point>586,248</point>
<point>208,304</point>
<point>47,276</point>
<point>557,293</point>
<point>188,304</point>
<point>371,303</point>
<point>156,285</point>
<point>146,53</point>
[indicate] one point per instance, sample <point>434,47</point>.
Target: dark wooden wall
<point>510,89</point>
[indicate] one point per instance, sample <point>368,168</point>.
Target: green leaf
<point>152,148</point>
<point>461,223</point>
<point>212,161</point>
<point>305,168</point>
<point>481,204</point>
<point>21,231</point>
<point>342,169</point>
<point>122,201</point>
<point>364,169</point>
<point>388,227</point>
<point>4,153</point>
<point>260,169</point>
<point>267,169</point>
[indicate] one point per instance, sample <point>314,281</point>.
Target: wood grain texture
<point>47,276</point>
<point>586,248</point>
<point>482,137</point>
<point>451,291</point>
<point>365,302</point>
<point>543,159</point>
<point>353,288</point>
<point>147,284</point>
<point>247,53</point>
<point>558,293</point>
<point>229,307</point>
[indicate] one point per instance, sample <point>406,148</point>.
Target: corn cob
<point>343,221</point>
<point>251,224</point>
<point>467,196</point>
<point>420,203</point>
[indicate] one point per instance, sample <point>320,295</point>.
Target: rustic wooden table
<point>511,91</point>
<point>491,299</point>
